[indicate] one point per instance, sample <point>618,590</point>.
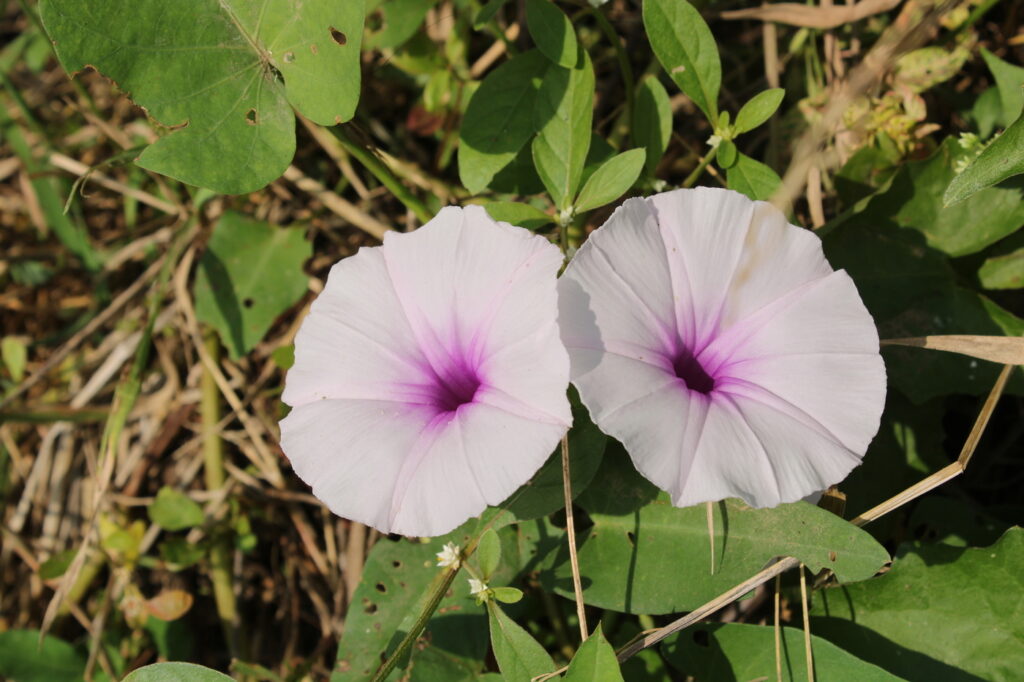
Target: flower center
<point>693,375</point>
<point>456,388</point>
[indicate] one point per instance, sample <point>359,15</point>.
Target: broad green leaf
<point>400,20</point>
<point>758,109</point>
<point>563,115</point>
<point>499,119</point>
<point>518,213</point>
<point>718,651</point>
<point>941,613</point>
<point>684,45</point>
<point>652,120</point>
<point>600,151</point>
<point>1002,159</point>
<point>544,494</point>
<point>915,200</point>
<point>250,273</point>
<point>215,73</point>
<point>520,657</point>
<point>910,290</point>
<point>727,154</point>
<point>176,672</point>
<point>1003,272</point>
<point>611,180</point>
<point>395,580</point>
<point>752,178</point>
<point>552,32</point>
<point>1009,80</point>
<point>488,554</point>
<point>594,661</point>
<point>173,510</point>
<point>23,660</point>
<point>668,552</point>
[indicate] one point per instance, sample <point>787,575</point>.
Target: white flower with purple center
<point>429,380</point>
<point>716,343</point>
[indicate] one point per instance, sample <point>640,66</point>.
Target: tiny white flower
<point>449,556</point>
<point>477,588</point>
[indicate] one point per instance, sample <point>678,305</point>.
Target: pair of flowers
<point>702,330</point>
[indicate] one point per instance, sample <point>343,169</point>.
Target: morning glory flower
<point>716,343</point>
<point>429,380</point>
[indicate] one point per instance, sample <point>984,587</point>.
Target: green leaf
<point>668,552</point>
<point>752,178</point>
<point>758,109</point>
<point>486,13</point>
<point>544,494</point>
<point>179,553</point>
<point>1003,272</point>
<point>518,213</point>
<point>611,180</point>
<point>216,72</point>
<point>507,595</point>
<point>563,115</point>
<point>552,32</point>
<point>1002,159</point>
<point>401,20</point>
<point>684,45</point>
<point>23,660</point>
<point>176,672</point>
<point>1009,80</point>
<point>915,200</point>
<point>594,661</point>
<point>940,613</point>
<point>15,356</point>
<point>395,580</point>
<point>173,510</point>
<point>499,119</point>
<point>488,554</point>
<point>727,154</point>
<point>520,657</point>
<point>55,566</point>
<point>736,651</point>
<point>250,273</point>
<point>652,120</point>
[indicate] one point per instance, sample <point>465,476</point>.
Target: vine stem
<point>372,163</point>
<point>692,178</point>
<point>570,531</point>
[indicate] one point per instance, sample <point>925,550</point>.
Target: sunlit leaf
<point>520,657</point>
<point>652,120</point>
<point>594,661</point>
<point>753,178</point>
<point>173,510</point>
<point>1002,159</point>
<point>611,180</point>
<point>684,45</point>
<point>552,32</point>
<point>758,109</point>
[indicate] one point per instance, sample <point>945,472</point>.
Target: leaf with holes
<point>250,273</point>
<point>942,613</point>
<point>224,74</point>
<point>656,558</point>
<point>396,577</point>
<point>736,651</point>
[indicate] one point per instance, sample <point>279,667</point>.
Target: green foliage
<point>1002,159</point>
<point>753,178</point>
<point>22,659</point>
<point>520,657</point>
<point>552,31</point>
<point>515,213</point>
<point>499,120</point>
<point>14,353</point>
<point>488,554</point>
<point>940,613</point>
<point>652,121</point>
<point>714,652</point>
<point>250,273</point>
<point>563,117</point>
<point>684,45</point>
<point>758,109</point>
<point>1003,272</point>
<point>594,661</point>
<point>668,555</point>
<point>1009,80</point>
<point>173,510</point>
<point>611,180</point>
<point>216,72</point>
<point>175,672</point>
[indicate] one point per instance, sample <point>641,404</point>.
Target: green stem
<point>692,178</point>
<point>213,469</point>
<point>380,171</point>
